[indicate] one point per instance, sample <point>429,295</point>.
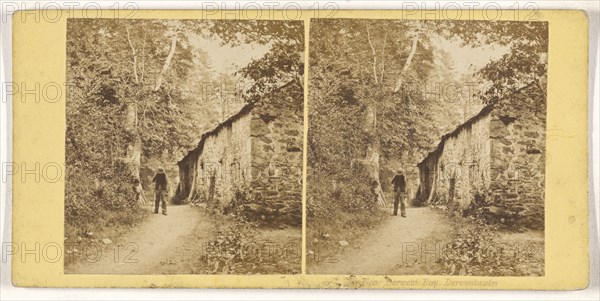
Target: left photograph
<point>183,146</point>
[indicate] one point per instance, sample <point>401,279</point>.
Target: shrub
<point>509,214</point>
<point>468,252</point>
<point>475,251</point>
<point>224,254</point>
<point>89,196</point>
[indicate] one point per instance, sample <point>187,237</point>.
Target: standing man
<point>399,183</point>
<point>160,191</point>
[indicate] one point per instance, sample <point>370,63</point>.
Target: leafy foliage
<point>134,97</point>
<point>104,87</point>
<point>527,60</point>
<point>236,247</point>
<point>225,252</point>
<point>389,67</point>
<point>355,66</point>
<point>474,251</point>
<point>282,64</point>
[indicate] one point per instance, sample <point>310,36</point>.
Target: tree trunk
<point>162,73</point>
<point>134,55</point>
<point>371,160</point>
<point>413,49</point>
<point>134,147</point>
<point>433,186</point>
<point>373,54</point>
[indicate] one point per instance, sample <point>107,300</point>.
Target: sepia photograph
<point>340,148</point>
<point>184,146</point>
<point>426,147</point>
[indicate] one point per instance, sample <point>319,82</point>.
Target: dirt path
<point>162,245</point>
<point>389,249</point>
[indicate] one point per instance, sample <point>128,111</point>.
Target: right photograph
<point>426,147</point>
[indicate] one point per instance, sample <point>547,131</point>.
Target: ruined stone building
<point>253,160</point>
<point>493,163</point>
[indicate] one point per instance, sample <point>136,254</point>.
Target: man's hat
<point>160,169</point>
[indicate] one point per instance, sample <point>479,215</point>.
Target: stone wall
<point>458,170</point>
<point>493,164</point>
<point>221,162</point>
<point>257,152</point>
<point>518,152</point>
<point>277,140</point>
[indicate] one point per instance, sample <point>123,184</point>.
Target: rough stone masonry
<point>494,163</point>
<point>252,160</point>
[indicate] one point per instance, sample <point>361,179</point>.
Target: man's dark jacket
<point>399,183</point>
<point>160,181</point>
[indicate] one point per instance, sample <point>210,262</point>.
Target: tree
<point>367,100</point>
<point>526,62</point>
<point>134,60</point>
<point>136,94</point>
<point>369,66</point>
<point>282,64</point>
